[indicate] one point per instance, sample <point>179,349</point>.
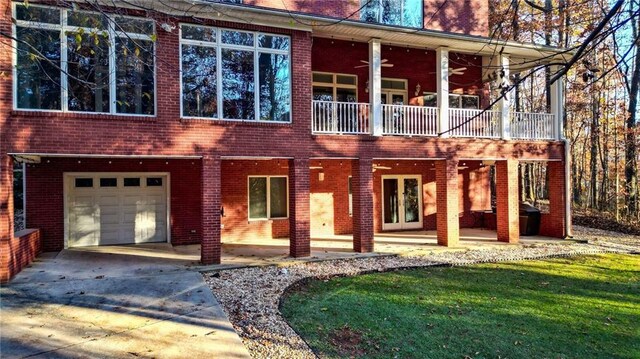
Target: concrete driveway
<point>126,304</point>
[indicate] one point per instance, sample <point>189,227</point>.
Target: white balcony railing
<point>354,118</point>
<point>532,126</point>
<point>474,123</point>
<point>340,117</point>
<point>409,120</point>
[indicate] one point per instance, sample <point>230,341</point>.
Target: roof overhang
<point>323,26</point>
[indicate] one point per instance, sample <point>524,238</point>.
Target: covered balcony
<point>381,90</point>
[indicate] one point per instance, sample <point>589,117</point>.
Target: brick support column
<point>507,211</point>
<point>362,196</point>
<point>210,248</point>
<point>299,210</point>
<point>6,217</point>
<point>447,202</point>
<point>557,205</point>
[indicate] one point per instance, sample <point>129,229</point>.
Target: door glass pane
<point>390,200</point>
<point>397,99</point>
<point>132,182</point>
<point>257,197</point>
<point>278,194</point>
<point>411,200</point>
<point>322,93</point>
<point>345,95</point>
<point>383,98</point>
<point>238,85</point>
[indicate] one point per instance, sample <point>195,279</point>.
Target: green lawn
<point>581,307</point>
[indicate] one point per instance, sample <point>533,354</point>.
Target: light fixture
<point>418,87</point>
<point>321,176</point>
<point>166,27</point>
<point>366,87</point>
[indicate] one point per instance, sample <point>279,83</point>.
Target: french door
<point>401,202</point>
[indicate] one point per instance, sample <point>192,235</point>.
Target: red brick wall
<point>414,65</point>
<point>45,200</point>
<point>459,16</point>
<point>17,253</point>
<point>469,17</point>
<point>330,200</point>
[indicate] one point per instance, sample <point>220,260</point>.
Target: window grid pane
<point>257,197</point>
<point>134,76</point>
<point>88,69</point>
<point>199,81</point>
<point>238,83</point>
<point>278,197</point>
<point>38,69</point>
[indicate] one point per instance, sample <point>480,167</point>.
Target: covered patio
<point>276,251</point>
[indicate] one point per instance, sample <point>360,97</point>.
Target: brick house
<point>220,121</point>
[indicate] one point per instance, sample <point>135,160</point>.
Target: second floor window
<point>235,75</point>
<point>81,61</point>
<point>406,13</point>
<point>335,87</point>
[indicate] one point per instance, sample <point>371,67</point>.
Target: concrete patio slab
<point>102,302</point>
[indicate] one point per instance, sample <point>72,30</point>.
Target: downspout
<point>567,188</point>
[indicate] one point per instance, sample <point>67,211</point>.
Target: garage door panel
<point>111,200</point>
<point>110,215</point>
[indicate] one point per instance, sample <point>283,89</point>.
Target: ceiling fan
<point>458,71</point>
<point>383,63</point>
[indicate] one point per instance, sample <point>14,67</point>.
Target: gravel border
<point>251,296</point>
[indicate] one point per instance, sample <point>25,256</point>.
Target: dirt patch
<point>347,342</point>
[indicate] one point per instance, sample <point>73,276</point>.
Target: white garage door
<point>116,209</point>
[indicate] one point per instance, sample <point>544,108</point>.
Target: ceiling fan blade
<point>359,66</point>
<point>364,61</point>
<point>387,65</point>
<point>383,61</point>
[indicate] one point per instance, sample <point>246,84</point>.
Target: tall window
<point>392,12</point>
<point>72,60</point>
<point>335,87</point>
<point>235,75</point>
<point>268,197</point>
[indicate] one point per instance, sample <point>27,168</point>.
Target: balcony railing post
<point>504,104</point>
<point>375,86</point>
<point>442,88</point>
<point>557,105</point>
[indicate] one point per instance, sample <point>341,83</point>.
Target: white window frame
<point>389,92</point>
<point>268,194</point>
<point>334,84</point>
<point>62,27</point>
<point>219,46</point>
